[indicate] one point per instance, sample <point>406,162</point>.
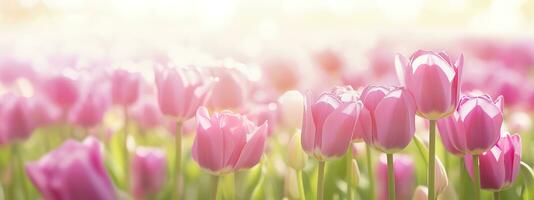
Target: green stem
<point>431,160</point>
<point>476,171</point>
<point>126,152</point>
<point>497,195</point>
<point>215,187</point>
<point>391,177</point>
<point>228,186</point>
<point>320,181</point>
<point>349,177</point>
<point>463,178</point>
<point>178,157</point>
<point>302,194</point>
<point>370,172</point>
<point>20,171</point>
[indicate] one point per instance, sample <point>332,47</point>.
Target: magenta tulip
<point>387,120</point>
<point>434,81</point>
<point>476,125</point>
<point>149,171</point>
<point>227,142</point>
<point>500,165</point>
<point>181,91</point>
<point>74,171</point>
<point>125,87</point>
<point>329,122</point>
<point>89,110</point>
<point>16,118</point>
<point>62,91</point>
<point>404,170</point>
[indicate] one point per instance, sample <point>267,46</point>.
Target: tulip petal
<point>254,148</point>
<point>308,125</point>
<point>395,121</point>
<point>338,128</point>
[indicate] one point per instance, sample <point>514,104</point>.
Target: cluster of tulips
<point>187,132</point>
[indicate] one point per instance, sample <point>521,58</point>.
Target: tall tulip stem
<point>302,194</point>
<point>431,159</point>
<point>178,157</point>
<point>349,177</point>
<point>19,167</point>
<point>126,154</point>
<point>370,172</point>
<point>320,181</point>
<point>463,177</point>
<point>497,195</point>
<point>476,171</point>
<point>391,177</point>
<point>215,187</point>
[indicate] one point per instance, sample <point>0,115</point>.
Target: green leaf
<point>423,150</point>
<point>259,191</point>
<point>528,180</point>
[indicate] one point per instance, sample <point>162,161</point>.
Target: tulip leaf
<point>528,176</point>
<point>259,191</point>
<point>423,150</point>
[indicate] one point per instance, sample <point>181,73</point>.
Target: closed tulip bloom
<point>404,172</point>
<point>329,122</point>
<point>441,181</point>
<point>264,113</point>
<point>227,142</point>
<point>434,81</point>
<point>125,87</point>
<point>149,171</point>
<point>62,91</point>
<point>291,109</point>
<point>74,171</point>
<point>89,110</point>
<point>147,114</point>
<point>181,91</point>
<point>387,120</point>
<point>475,127</point>
<point>500,165</point>
<point>230,91</point>
<point>447,128</point>
<point>420,193</point>
<point>296,157</point>
<point>16,118</point>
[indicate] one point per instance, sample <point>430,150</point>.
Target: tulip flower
<point>149,171</point>
<point>62,91</point>
<point>387,120</point>
<point>403,171</point>
<point>291,109</point>
<point>442,181</point>
<point>328,125</point>
<point>230,91</point>
<point>181,91</point>
<point>420,193</point>
<point>89,110</point>
<point>16,119</point>
<point>71,172</point>
<point>227,142</point>
<point>147,114</point>
<point>125,87</point>
<point>281,73</point>
<point>434,81</point>
<point>500,165</point>
<point>329,60</point>
<point>264,113</point>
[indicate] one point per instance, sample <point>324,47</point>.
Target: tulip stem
<point>302,194</point>
<point>462,177</point>
<point>320,181</point>
<point>391,177</point>
<point>476,171</point>
<point>497,195</point>
<point>370,172</point>
<point>178,157</point>
<point>20,170</point>
<point>431,159</point>
<point>349,176</point>
<point>126,153</point>
<point>215,187</point>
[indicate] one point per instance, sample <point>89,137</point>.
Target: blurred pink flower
<point>61,90</point>
<point>149,171</point>
<point>125,87</point>
<point>230,91</point>
<point>404,173</point>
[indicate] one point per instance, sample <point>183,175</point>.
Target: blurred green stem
<point>215,187</point>
<point>497,195</point>
<point>19,167</point>
<point>431,159</point>
<point>178,158</point>
<point>463,178</point>
<point>302,194</point>
<point>391,177</point>
<point>125,151</point>
<point>349,176</point>
<point>476,171</point>
<point>320,181</point>
<point>228,186</point>
<point>370,172</point>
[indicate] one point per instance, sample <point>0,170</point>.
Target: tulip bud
<point>149,171</point>
<point>73,171</point>
<point>434,81</point>
<point>355,172</point>
<point>441,180</point>
<point>61,90</point>
<point>296,156</point>
<point>16,118</point>
<point>420,193</point>
<point>125,87</point>
<point>292,109</point>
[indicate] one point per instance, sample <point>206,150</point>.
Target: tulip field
<point>253,100</point>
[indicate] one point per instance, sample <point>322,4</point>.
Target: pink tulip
<point>16,118</point>
<point>147,114</point>
<point>387,120</point>
<point>499,166</point>
<point>149,171</point>
<point>281,73</point>
<point>329,60</point>
<point>475,127</point>
<point>264,114</point>
<point>43,111</point>
<point>329,122</point>
<point>404,172</point>
<point>62,91</point>
<point>89,110</point>
<point>447,128</point>
<point>227,142</point>
<point>433,80</point>
<point>230,90</point>
<point>74,171</point>
<point>181,91</point>
<point>125,87</point>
